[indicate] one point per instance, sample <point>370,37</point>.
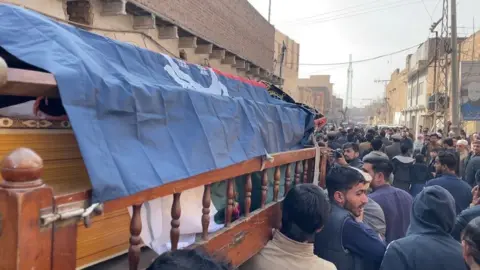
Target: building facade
<point>318,84</point>
<point>396,97</point>
<point>289,67</point>
<point>230,36</point>
<point>469,50</point>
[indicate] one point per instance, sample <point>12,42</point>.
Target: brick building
<point>228,35</point>
<point>317,84</point>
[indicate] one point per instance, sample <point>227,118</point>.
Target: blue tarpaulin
<point>143,119</point>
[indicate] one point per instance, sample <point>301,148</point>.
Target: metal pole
<point>435,90</point>
<point>269,9</point>
<point>282,59</point>
<point>455,93</point>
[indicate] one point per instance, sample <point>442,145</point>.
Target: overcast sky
<point>329,30</point>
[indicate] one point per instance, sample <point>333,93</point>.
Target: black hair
<point>377,144</point>
<point>419,158</point>
<point>381,165</point>
<point>354,146</point>
<point>382,133</point>
<point>448,141</point>
<point>342,178</point>
<point>404,148</point>
<point>305,210</point>
<point>188,259</point>
<point>331,136</point>
<point>471,236</point>
<point>477,178</point>
<point>369,137</point>
<point>448,159</point>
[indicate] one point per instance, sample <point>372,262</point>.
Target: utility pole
<point>435,60</point>
<point>282,58</point>
<point>455,94</point>
<point>348,102</point>
<point>269,9</point>
<point>387,118</point>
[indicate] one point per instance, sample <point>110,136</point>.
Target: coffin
<point>109,234</point>
<point>60,210</point>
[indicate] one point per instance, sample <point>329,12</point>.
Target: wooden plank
<point>246,237</point>
<point>108,235</point>
<point>22,82</point>
<point>64,249</point>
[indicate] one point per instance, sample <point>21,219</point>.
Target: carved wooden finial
<point>22,168</point>
<point>3,72</point>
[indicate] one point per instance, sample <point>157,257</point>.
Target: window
<point>420,88</point>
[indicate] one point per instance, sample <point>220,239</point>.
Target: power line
<point>426,9</point>
<point>362,60</point>
<point>384,6</point>
<point>330,12</point>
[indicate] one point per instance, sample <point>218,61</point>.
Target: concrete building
<point>289,68</point>
<point>396,97</point>
<point>202,32</point>
<point>420,83</point>
<point>469,50</point>
<point>335,113</point>
<point>318,84</point>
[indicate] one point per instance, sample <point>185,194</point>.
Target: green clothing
<point>219,196</point>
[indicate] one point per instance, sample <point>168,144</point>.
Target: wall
<point>320,83</point>
<point>150,40</point>
<point>396,94</point>
<point>234,25</point>
<point>290,63</point>
<point>470,51</point>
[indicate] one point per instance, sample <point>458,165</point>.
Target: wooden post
<point>23,197</point>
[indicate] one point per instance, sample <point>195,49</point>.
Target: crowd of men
<point>392,202</point>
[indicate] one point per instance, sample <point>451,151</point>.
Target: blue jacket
<point>460,190</point>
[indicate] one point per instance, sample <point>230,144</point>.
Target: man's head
<point>434,153</point>
<point>476,147</point>
<point>348,188</point>
<point>331,136</point>
<point>462,145</point>
<point>434,137</point>
<point>305,211</point>
<point>445,163</point>
<point>187,259</point>
<point>377,144</point>
<point>448,143</point>
<point>419,158</point>
<point>396,137</point>
<point>382,133</point>
<point>380,169</point>
<point>369,137</point>
<point>351,151</point>
<point>405,149</point>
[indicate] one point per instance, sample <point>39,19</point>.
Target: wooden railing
<point>26,205</point>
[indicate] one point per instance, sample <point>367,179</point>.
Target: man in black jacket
<point>428,244</point>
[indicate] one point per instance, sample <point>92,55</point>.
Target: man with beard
<point>473,163</point>
<point>346,240</point>
<point>445,165</point>
<point>396,203</point>
<point>351,152</point>
<point>432,143</point>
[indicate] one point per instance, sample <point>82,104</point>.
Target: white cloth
<point>23,111</point>
<point>156,220</point>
